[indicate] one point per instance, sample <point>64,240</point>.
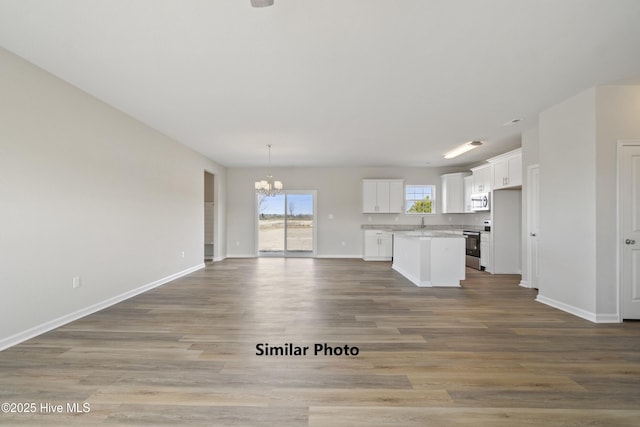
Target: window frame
<point>408,203</point>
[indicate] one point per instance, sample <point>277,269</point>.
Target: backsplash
<point>408,227</point>
<point>455,221</point>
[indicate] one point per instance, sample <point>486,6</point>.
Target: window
<point>420,199</point>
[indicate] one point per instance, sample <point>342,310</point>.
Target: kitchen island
<point>429,258</point>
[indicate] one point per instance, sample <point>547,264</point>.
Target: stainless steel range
<point>472,239</point>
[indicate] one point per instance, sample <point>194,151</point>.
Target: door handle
<point>533,234</point>
<point>630,242</point>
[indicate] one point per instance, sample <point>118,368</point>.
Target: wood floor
<point>485,354</point>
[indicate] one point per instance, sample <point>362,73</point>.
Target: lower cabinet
<point>486,252</point>
<point>378,245</point>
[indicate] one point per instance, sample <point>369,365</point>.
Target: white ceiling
<point>331,82</point>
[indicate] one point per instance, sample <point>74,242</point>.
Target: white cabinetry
<point>468,191</point>
<point>507,169</point>
<point>382,195</point>
<point>453,200</point>
<point>396,196</point>
<point>378,245</point>
<point>482,178</point>
<point>430,259</point>
<point>486,252</point>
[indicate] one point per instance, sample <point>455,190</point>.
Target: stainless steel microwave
<point>480,202</point>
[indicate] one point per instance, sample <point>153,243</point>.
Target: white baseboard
<point>567,308</point>
<point>587,315</point>
<point>410,277</point>
<point>63,320</point>
<point>358,256</point>
<point>346,256</point>
<point>608,318</point>
<point>524,284</point>
<point>422,283</point>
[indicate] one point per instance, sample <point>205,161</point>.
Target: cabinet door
<point>483,253</point>
<point>486,253</point>
<point>477,182</point>
<point>482,179</point>
<point>386,245</point>
<point>452,193</point>
<point>369,196</point>
<point>487,174</point>
<point>444,193</point>
<point>383,196</point>
<point>378,245</point>
<point>507,170</point>
<point>468,190</point>
<point>515,171</point>
<point>371,245</point>
<point>500,174</point>
<point>396,197</point>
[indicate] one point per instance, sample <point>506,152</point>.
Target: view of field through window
<point>285,223</point>
<point>420,199</point>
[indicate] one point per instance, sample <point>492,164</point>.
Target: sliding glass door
<point>287,224</point>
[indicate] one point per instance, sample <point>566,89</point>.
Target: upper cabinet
<point>382,196</point>
<point>453,194</point>
<point>507,169</point>
<point>482,178</point>
<point>468,191</point>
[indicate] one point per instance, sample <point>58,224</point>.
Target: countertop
<point>417,234</point>
<point>409,227</point>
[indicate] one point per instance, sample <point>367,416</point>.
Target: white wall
<point>86,191</point>
<point>618,117</point>
<point>578,197</point>
<point>339,194</point>
<point>567,243</point>
<point>506,206</point>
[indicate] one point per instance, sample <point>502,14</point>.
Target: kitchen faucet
<point>422,222</point>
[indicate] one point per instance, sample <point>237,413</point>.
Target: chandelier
<point>268,187</point>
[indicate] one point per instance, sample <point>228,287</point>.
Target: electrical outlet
<point>182,254</point>
<point>75,282</point>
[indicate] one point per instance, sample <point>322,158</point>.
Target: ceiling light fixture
<point>462,149</point>
<point>261,3</point>
<point>268,187</point>
<point>512,122</point>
